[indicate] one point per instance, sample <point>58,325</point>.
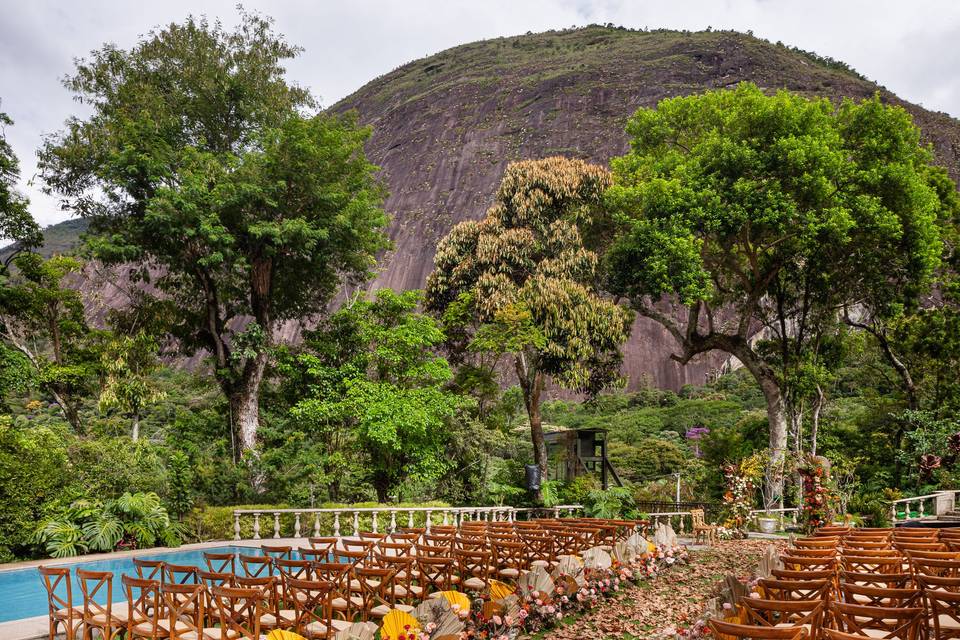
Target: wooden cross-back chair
<point>323,543</point>
<point>816,543</point>
<point>210,579</point>
<point>881,596</point>
<point>406,537</point>
<point>148,569</point>
<point>404,591</point>
<point>342,602</point>
<point>774,589</point>
<point>885,580</point>
<point>934,567</point>
<point>871,563</point>
<point>185,613</point>
<point>256,566</point>
<point>879,622</point>
<point>804,552</point>
<point>780,613</point>
<point>929,583</point>
<point>732,631</point>
<point>180,574</point>
<point>313,612</point>
<point>377,593</point>
<point>220,562</point>
<point>435,573</point>
<point>799,574</point>
<point>271,610</point>
<point>474,569</point>
<point>277,552</point>
<point>808,564</point>
<point>143,614</point>
<point>109,622</point>
<point>944,607</point>
<point>509,559</point>
<point>314,555</point>
<point>541,549</point>
<point>62,612</point>
<point>299,569</point>
<point>238,612</point>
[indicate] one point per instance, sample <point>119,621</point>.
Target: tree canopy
<point>204,171</point>
<point>764,215</point>
<point>521,283</point>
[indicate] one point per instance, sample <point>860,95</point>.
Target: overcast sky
<point>910,46</point>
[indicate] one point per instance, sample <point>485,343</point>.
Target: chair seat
<point>382,609</point>
<point>64,614</point>
<point>147,629</point>
<point>207,633</point>
<point>313,630</point>
<point>341,604</point>
<point>287,616</point>
<point>509,572</point>
<point>475,584</point>
<point>948,622</point>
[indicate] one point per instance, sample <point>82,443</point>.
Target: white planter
<point>767,525</point>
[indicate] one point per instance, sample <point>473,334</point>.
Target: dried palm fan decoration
<point>511,606</point>
<point>639,544</point>
<point>569,566</point>
<point>357,631</point>
<point>397,623</point>
<point>537,580</point>
<point>431,610</point>
<point>596,558</point>
<point>768,562</point>
<point>448,627</point>
<point>665,536</point>
<point>458,600</point>
<point>500,590</point>
<point>733,590</point>
<point>283,634</point>
<point>624,552</point>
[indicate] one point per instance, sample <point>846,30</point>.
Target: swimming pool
<point>22,594</point>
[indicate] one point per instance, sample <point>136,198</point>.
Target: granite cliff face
<point>445,127</point>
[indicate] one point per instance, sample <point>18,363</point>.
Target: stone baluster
<point>556,513</point>
<point>373,521</point>
<point>393,520</point>
<point>276,525</point>
<point>236,525</point>
<point>296,525</point>
<point>256,525</point>
<point>893,512</point>
<point>336,524</point>
<point>446,517</point>
<point>410,519</point>
<point>920,509</point>
<point>316,525</point>
<point>793,517</point>
<point>429,518</point>
<point>356,524</point>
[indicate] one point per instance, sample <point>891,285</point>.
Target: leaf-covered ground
<point>672,599</point>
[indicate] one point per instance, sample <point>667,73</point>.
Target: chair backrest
<point>928,583</point>
<point>56,581</point>
<point>371,535</point>
<point>220,562</point>
<point>180,573</point>
<point>915,532</point>
<point>184,605</point>
<point>808,564</point>
<point>774,589</point>
<point>696,515</point>
<point>268,595</point>
<point>338,575</point>
<point>880,596</point>
<point>256,566</point>
<point>402,567</point>
<point>886,580</point>
<point>92,585</point>
<point>215,578</point>
<point>299,569</point>
<point>945,612</point>
<point>932,555</point>
<point>799,574</point>
<point>358,545</point>
<point>238,611</point>
<point>395,548</point>
<point>934,567</point>
<point>149,569</point>
<point>775,613</point>
<point>473,564</point>
<point>816,543</point>
<point>752,632</point>
<point>509,555</point>
<point>871,563</point>
<point>434,572</point>
<point>142,599</point>
<point>879,622</point>
<point>324,543</point>
<point>376,588</point>
<point>408,537</point>
<point>814,552</point>
<point>277,551</point>
<point>312,607</point>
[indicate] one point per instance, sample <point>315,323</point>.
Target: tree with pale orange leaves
<point>521,284</point>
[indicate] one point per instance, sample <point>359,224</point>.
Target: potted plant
<point>767,522</point>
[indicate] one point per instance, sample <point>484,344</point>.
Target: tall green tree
<point>203,171</point>
<point>526,284</point>
<point>43,319</point>
<point>128,362</point>
<point>16,223</point>
<point>371,385</point>
<point>760,216</point>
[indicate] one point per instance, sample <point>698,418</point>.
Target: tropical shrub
<point>132,521</point>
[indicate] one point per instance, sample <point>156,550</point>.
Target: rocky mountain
<point>444,128</point>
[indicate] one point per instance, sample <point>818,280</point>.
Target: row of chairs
<point>313,590</point>
<point>856,583</point>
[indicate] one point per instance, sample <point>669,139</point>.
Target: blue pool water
<point>22,594</point>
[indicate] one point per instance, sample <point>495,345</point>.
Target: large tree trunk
<point>815,419</point>
<point>777,424</point>
<point>531,384</point>
<point>135,427</point>
<point>245,403</point>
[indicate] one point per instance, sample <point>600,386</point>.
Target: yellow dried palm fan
<point>500,590</point>
<point>357,631</point>
<point>397,623</point>
<point>283,634</point>
<point>492,608</point>
<point>457,600</point>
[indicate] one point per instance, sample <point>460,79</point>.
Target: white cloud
<point>909,47</point>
